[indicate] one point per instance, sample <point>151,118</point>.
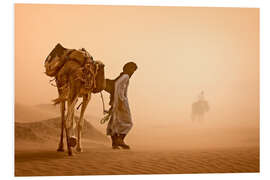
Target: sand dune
<point>41,123</point>
<point>24,113</point>
<point>49,130</point>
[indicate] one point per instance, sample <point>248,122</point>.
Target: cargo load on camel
<point>60,55</point>
<point>80,62</point>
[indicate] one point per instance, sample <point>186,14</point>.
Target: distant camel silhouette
<point>198,109</point>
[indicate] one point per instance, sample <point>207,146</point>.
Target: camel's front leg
<point>68,122</point>
<point>61,144</point>
<point>85,102</point>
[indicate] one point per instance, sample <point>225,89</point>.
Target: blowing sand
<point>165,149</point>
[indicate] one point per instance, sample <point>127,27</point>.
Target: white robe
<point>120,122</point>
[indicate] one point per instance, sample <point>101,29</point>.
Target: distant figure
<point>120,122</point>
<point>201,96</point>
<point>199,108</point>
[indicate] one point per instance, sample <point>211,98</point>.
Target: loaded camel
<point>77,75</point>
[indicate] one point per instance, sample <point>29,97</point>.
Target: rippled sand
<point>100,159</point>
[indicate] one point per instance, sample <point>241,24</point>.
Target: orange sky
<point>179,51</point>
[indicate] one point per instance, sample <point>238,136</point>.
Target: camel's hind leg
<point>85,102</point>
<point>61,144</point>
<point>68,122</point>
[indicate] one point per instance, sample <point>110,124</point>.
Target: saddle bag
<point>55,60</point>
<point>59,55</point>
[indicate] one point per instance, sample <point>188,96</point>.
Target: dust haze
<point>180,51</point>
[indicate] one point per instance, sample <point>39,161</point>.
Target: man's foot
<point>121,142</point>
<point>114,142</point>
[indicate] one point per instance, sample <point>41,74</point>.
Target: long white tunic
<point>120,122</point>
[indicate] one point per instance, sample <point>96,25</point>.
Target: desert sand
<point>199,149</point>
<point>100,159</point>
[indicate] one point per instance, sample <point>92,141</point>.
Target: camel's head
<point>53,61</point>
<point>100,78</point>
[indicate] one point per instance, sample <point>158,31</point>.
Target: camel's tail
<point>58,100</point>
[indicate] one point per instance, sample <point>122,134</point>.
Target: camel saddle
<point>59,55</point>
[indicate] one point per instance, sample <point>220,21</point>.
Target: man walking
<point>120,122</point>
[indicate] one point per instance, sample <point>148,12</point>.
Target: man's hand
<point>111,110</point>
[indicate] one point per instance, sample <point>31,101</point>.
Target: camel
<point>198,109</point>
<point>75,78</point>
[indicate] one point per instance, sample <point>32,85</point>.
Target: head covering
<point>130,66</point>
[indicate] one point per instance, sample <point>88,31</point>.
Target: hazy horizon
<point>180,51</point>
